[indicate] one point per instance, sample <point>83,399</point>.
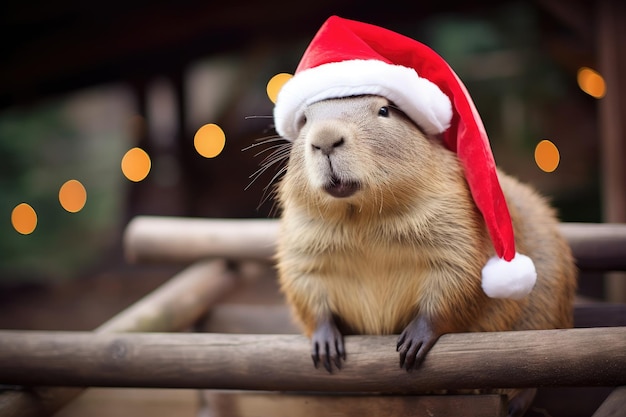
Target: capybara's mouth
<point>341,188</point>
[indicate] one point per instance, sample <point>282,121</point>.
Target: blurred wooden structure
<point>53,50</point>
<point>611,40</point>
<point>226,256</point>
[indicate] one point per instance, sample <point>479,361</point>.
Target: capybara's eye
<point>383,111</point>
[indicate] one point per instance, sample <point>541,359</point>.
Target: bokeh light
<point>547,156</point>
<point>209,140</point>
<point>24,219</point>
<point>73,196</point>
<point>275,84</point>
<point>591,82</point>
<point>136,164</point>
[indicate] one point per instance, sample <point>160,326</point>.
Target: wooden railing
<point>564,358</point>
<point>219,252</point>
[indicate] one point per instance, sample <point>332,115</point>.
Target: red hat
<point>349,58</point>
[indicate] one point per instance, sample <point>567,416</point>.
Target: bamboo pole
<point>175,305</point>
<point>177,239</point>
<point>572,357</point>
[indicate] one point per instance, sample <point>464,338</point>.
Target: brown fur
<point>409,243</point>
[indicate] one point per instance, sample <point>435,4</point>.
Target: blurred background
<point>82,83</point>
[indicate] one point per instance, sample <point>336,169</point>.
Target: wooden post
<point>612,64</point>
<point>572,357</point>
<point>173,306</point>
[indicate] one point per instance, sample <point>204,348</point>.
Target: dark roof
<point>53,47</point>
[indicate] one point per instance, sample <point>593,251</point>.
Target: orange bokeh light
<point>136,164</point>
<point>209,140</point>
<point>73,196</point>
<point>547,156</point>
<point>591,82</point>
<point>24,219</point>
<point>275,84</point>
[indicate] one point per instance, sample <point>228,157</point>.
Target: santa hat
<point>349,58</point>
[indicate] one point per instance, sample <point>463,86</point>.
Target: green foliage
<point>40,149</point>
<point>499,57</point>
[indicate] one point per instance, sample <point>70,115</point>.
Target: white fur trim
<point>514,279</point>
<point>418,97</point>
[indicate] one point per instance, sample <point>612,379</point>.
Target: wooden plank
<point>128,402</point>
<point>572,357</point>
<point>173,306</point>
<point>614,405</point>
<point>272,404</point>
<point>177,239</point>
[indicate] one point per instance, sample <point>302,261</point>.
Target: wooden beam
<point>179,302</point>
<point>572,357</point>
<point>175,305</point>
<point>597,246</point>
<point>179,239</point>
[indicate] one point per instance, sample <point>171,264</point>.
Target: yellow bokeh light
<point>209,140</point>
<point>136,164</point>
<point>547,156</point>
<point>275,84</point>
<point>24,219</point>
<point>591,82</point>
<point>73,196</point>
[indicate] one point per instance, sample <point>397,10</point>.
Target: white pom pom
<point>514,279</point>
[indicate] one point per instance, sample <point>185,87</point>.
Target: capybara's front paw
<point>415,342</point>
<point>327,346</point>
